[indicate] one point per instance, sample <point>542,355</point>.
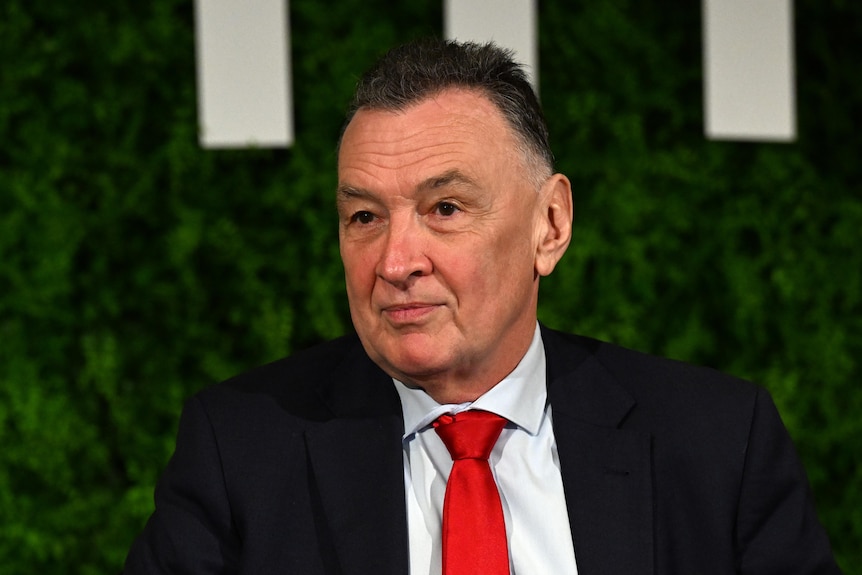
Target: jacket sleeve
<point>777,527</point>
<point>191,530</point>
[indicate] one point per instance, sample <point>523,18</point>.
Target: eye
<point>362,217</point>
<point>446,209</point>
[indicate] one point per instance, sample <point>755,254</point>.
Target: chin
<point>415,364</point>
<point>411,356</point>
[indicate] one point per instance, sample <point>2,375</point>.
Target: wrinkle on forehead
<point>454,132</point>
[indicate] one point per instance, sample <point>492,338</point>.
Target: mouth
<point>409,313</point>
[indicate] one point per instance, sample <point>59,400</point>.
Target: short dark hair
<point>423,68</point>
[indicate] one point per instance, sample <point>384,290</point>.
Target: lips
<point>409,312</point>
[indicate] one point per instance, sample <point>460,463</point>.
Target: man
<point>610,461</point>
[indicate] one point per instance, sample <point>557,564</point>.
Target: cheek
<point>473,275</point>
<point>359,272</point>
<point>507,270</point>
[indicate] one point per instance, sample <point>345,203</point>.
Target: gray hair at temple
<point>421,69</point>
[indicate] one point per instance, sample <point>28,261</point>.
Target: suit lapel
<point>360,478</point>
<point>356,459</point>
<point>606,470</point>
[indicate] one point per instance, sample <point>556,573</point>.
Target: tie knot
<point>469,434</point>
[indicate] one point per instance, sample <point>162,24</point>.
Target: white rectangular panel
<point>509,23</point>
<point>748,70</point>
<point>243,65</point>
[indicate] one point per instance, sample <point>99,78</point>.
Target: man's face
<point>439,231</point>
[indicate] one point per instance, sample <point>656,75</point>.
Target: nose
<point>404,256</point>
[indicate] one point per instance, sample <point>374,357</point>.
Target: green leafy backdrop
<point>136,268</point>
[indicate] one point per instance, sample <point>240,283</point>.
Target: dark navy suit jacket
<point>296,467</point>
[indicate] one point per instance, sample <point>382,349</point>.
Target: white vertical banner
<point>243,73</point>
<point>509,23</point>
<point>748,70</point>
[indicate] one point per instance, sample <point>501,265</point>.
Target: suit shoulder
<point>652,378</point>
<point>294,384</point>
<point>307,365</point>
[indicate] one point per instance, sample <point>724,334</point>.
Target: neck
<point>455,387</point>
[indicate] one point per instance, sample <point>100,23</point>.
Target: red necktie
<point>474,531</point>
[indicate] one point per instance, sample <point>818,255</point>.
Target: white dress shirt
<point>524,462</point>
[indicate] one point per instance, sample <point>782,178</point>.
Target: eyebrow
<point>344,191</point>
<point>448,178</point>
<point>455,177</point>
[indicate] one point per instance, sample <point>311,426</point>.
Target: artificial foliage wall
<point>136,268</point>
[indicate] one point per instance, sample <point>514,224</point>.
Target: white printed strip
<point>748,70</point>
<point>243,73</point>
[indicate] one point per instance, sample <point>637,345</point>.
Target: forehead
<point>452,127</point>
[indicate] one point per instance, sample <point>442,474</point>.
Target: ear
<point>555,223</point>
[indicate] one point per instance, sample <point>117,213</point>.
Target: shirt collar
<point>520,397</point>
